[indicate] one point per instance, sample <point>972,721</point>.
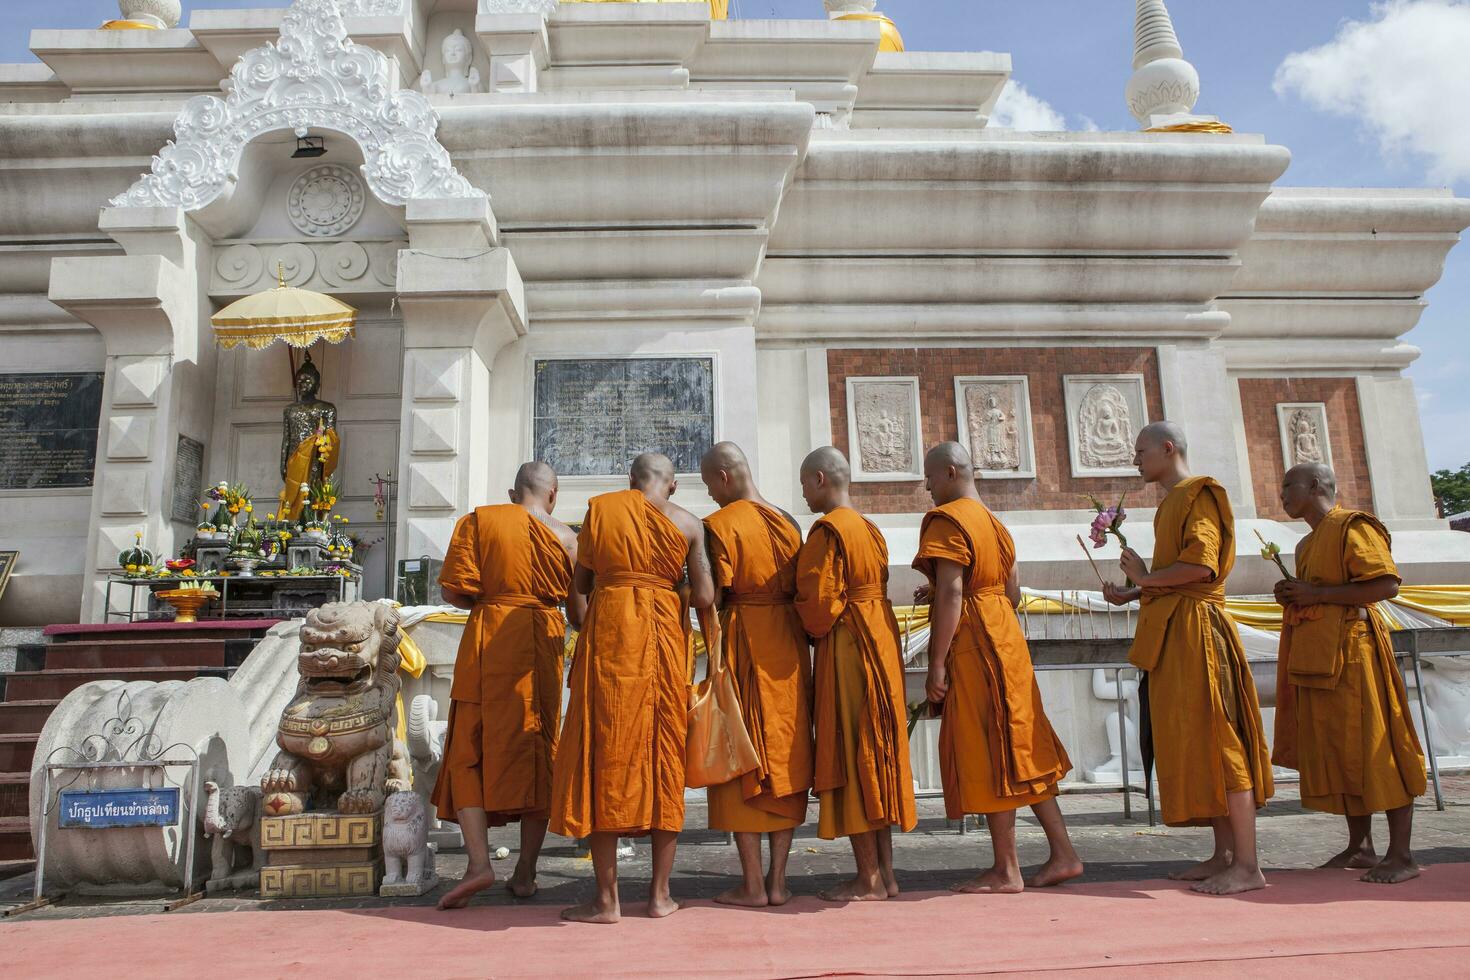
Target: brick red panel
<point>1054,487</point>
<point>1259,398</point>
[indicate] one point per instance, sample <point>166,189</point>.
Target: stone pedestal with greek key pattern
<point>321,855</point>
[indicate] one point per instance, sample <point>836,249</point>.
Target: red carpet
<point>1306,923</point>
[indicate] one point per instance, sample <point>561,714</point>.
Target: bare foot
<point>777,894</point>
<point>1232,881</point>
<point>1054,872</point>
<point>659,908</point>
<point>1203,870</point>
<point>890,883</point>
<point>743,897</point>
<point>856,891</point>
<point>1362,856</point>
<point>996,881</point>
<point>592,912</point>
<point>471,884</point>
<point>521,886</point>
<point>1391,871</point>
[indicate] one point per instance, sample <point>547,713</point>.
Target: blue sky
<point>1374,104</point>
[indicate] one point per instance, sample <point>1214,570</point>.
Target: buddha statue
<point>309,443</point>
<point>146,15</point>
<point>459,77</point>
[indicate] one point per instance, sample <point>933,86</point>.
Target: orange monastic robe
<point>620,766</point>
<point>753,548</point>
<point>1206,718</point>
<point>1342,714</point>
<point>997,750</point>
<point>862,775</point>
<point>505,707</point>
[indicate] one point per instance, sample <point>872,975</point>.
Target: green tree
<point>1452,489</point>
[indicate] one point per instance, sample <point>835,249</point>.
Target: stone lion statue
<point>336,737</point>
<point>406,852</point>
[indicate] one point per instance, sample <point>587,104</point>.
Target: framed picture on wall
<point>883,435</point>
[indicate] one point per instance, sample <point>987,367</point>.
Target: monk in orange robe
<point>997,750</point>
<point>1342,714</point>
<point>862,776</point>
<point>753,548</point>
<point>511,566</point>
<point>620,766</point>
<point>1209,744</point>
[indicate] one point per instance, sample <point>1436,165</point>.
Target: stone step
<point>219,630</point>
<point>19,717</point>
<point>107,654</point>
<point>39,685</point>
<point>15,794</point>
<point>15,838</point>
<point>17,751</point>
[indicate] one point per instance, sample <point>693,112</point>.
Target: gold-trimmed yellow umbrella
<point>300,317</point>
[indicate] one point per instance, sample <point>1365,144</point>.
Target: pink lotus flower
<point>1109,520</point>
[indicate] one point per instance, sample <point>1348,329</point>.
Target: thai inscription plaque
<point>48,429</point>
<point>592,416</point>
<point>188,480</point>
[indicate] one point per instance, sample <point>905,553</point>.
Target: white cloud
<point>1019,109</point>
<point>1403,74</point>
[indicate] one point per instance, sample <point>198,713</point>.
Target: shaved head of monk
<point>825,475</point>
<point>726,474</point>
<point>1161,453</point>
<point>1308,489</point>
<point>653,474</point>
<point>949,474</point>
<point>535,486</point>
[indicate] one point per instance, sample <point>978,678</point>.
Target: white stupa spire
<point>1164,87</point>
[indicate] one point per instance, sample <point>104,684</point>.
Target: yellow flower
<point>249,509</point>
<point>189,573</point>
<point>130,568</point>
<point>204,506</point>
<point>270,517</point>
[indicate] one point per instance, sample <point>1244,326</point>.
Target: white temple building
<point>582,230</point>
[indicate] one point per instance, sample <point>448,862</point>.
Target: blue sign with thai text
<point>108,808</point>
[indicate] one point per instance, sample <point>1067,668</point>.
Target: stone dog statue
<point>408,858</point>
<point>232,822</point>
<point>336,737</point>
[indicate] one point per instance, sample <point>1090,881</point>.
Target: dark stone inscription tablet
<point>48,429</point>
<point>188,480</point>
<point>593,416</point>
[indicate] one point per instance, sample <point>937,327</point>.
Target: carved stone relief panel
<point>883,433</point>
<point>1304,436</point>
<point>241,268</point>
<point>1104,414</point>
<point>995,425</point>
<point>326,201</point>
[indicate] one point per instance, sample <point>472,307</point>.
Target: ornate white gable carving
<point>313,77</point>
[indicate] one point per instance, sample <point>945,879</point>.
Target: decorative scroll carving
<point>1104,414</point>
<point>995,418</point>
<point>359,266</point>
<point>312,77</point>
<point>883,428</point>
<point>1304,437</point>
